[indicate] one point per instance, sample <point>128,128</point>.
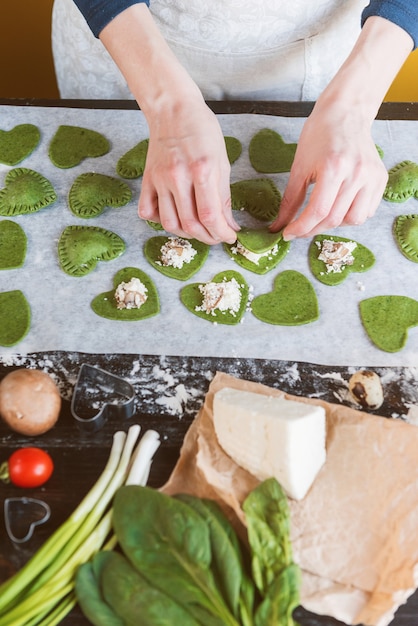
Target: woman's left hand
<point>336,154</point>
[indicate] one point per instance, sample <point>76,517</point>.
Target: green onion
<point>42,592</point>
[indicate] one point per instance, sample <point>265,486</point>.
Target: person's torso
<point>243,49</point>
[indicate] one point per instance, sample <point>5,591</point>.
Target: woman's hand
<point>336,152</point>
<point>337,155</point>
<point>186,182</point>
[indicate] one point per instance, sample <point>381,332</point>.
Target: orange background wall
<point>27,69</point>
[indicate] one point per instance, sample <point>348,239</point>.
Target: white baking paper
<point>60,304</point>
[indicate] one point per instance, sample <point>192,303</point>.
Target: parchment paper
<point>61,315</point>
<point>354,534</point>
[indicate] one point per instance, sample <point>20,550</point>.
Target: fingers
<point>190,209</point>
<point>336,200</point>
<point>292,201</point>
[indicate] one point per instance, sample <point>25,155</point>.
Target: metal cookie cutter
<point>22,515</point>
<point>98,395</point>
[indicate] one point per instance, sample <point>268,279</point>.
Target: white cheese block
<point>272,437</point>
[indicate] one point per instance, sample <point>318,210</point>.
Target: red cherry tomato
<point>30,467</point>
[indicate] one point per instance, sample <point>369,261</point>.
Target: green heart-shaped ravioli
<point>233,148</point>
<point>269,153</point>
<point>258,240</point>
<point>72,144</point>
<point>362,259</point>
<point>25,191</point>
<point>258,250</point>
<point>80,248</point>
<point>91,193</point>
<point>105,304</point>
<point>15,317</point>
<point>18,143</point>
<point>13,243</point>
<point>152,252</point>
<point>292,302</point>
<point>387,319</point>
<point>154,225</point>
<point>405,230</point>
<point>132,163</point>
<point>258,196</point>
<point>402,182</point>
<point>193,298</point>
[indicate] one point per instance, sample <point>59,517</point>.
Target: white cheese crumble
<point>253,256</point>
<point>225,297</point>
<point>176,252</point>
<point>336,254</point>
<point>131,295</point>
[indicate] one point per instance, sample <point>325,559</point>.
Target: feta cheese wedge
<point>272,437</point>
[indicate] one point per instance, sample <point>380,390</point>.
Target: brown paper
<point>354,534</point>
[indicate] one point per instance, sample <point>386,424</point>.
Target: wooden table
<point>79,458</point>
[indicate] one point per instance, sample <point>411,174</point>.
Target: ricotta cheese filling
<point>253,256</point>
<point>336,254</point>
<point>176,252</point>
<point>225,296</point>
<point>131,295</point>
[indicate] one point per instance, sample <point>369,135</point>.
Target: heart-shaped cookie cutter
<point>16,512</point>
<point>97,395</point>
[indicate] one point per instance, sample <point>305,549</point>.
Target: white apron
<point>233,49</point>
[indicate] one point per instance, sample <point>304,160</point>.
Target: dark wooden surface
<point>79,458</point>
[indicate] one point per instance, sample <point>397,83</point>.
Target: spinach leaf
<point>135,600</point>
<point>281,599</point>
<point>227,561</point>
<point>274,572</point>
<point>89,596</point>
<point>169,544</point>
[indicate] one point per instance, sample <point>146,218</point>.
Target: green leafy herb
<point>181,562</point>
<point>275,575</point>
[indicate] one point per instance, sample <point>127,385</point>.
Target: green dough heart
<point>80,248</point>
<point>191,297</point>
<point>259,241</point>
<point>364,259</point>
<point>18,143</point>
<point>405,230</point>
<point>15,316</point>
<point>132,163</point>
<point>292,302</point>
<point>269,153</point>
<point>105,303</point>
<point>154,225</point>
<point>402,182</point>
<point>258,196</point>
<point>233,148</point>
<point>152,252</point>
<point>91,193</point>
<point>72,144</point>
<point>387,319</point>
<point>13,242</point>
<point>265,264</point>
<point>25,191</point>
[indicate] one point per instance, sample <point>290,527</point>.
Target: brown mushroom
<point>30,401</point>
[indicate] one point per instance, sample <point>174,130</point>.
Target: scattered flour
<point>412,416</point>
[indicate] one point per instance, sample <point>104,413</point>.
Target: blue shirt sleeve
<point>403,13</point>
<point>98,13</point>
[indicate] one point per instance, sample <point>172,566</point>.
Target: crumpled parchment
<point>354,535</point>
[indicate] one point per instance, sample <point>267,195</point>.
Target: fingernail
<point>288,237</point>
